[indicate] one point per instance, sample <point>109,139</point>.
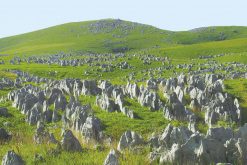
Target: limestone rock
<point>129,139</point>
<point>11,158</point>
<point>4,135</point>
<point>112,158</point>
<point>92,128</point>
<point>221,134</point>
<point>69,142</point>
<point>4,112</point>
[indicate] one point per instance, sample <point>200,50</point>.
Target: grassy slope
<point>101,36</point>
<point>240,92</point>
<point>207,34</point>
<point>201,49</point>
<point>109,35</point>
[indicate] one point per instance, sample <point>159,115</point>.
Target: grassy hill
<point>200,49</point>
<point>208,34</point>
<point>112,35</point>
<point>102,36</point>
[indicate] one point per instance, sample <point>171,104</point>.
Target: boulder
<point>152,84</point>
<point>129,113</point>
<point>153,141</point>
<point>236,151</point>
<point>4,135</point>
<point>180,94</point>
<point>112,158</point>
<point>69,142</point>
<point>171,135</point>
<point>35,114</point>
<point>89,87</point>
<point>55,116</point>
<point>67,86</point>
<point>149,99</point>
<point>42,135</point>
<point>175,112</point>
<point>189,149</point>
<point>53,95</point>
<point>173,156</point>
<point>60,102</point>
<point>210,79</point>
<point>11,158</point>
<point>106,88</point>
<point>211,151</point>
<point>129,139</point>
<point>211,117</point>
<point>119,100</point>
<point>26,103</point>
<point>194,105</point>
<point>171,84</point>
<point>221,134</point>
<point>242,132</point>
<point>47,115</point>
<point>192,123</point>
<point>92,128</point>
<point>232,153</point>
<point>132,90</point>
<point>105,103</point>
<point>4,112</point>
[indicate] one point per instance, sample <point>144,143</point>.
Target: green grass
<point>234,57</point>
<point>116,123</point>
<point>4,74</point>
<point>238,88</point>
<point>202,49</point>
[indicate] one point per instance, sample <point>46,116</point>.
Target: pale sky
<point>20,16</point>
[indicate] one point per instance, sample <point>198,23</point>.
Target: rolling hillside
<point>208,34</point>
<point>102,36</point>
<point>112,35</point>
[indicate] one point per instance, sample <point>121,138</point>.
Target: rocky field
<point>139,95</point>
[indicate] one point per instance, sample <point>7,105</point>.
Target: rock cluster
<point>184,96</point>
<point>79,118</point>
<point>42,135</point>
<point>7,83</point>
<point>144,96</point>
<point>31,101</point>
<point>112,99</point>
<point>178,145</point>
<point>206,95</point>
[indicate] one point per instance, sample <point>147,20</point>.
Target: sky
<point>21,16</point>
